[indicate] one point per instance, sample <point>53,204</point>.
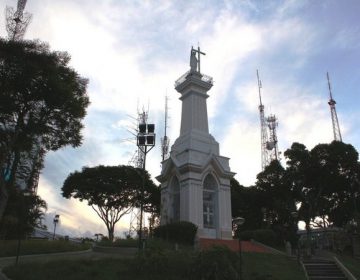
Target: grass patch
<point>128,243</point>
<point>164,264</point>
<point>154,243</point>
<point>105,269</point>
<point>268,266</point>
<point>353,265</point>
<point>30,247</point>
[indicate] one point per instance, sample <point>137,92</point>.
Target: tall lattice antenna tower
<point>137,161</point>
<point>263,127</point>
<point>17,21</point>
<point>272,144</point>
<point>334,117</point>
<point>165,141</point>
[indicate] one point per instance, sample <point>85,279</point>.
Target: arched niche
<point>210,192</point>
<point>175,199</point>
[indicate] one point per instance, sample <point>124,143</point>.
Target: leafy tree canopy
<point>40,95</point>
<point>325,180</point>
<point>22,215</point>
<point>43,101</point>
<point>112,191</point>
<point>246,202</point>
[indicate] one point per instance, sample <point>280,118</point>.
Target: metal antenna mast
<point>137,161</point>
<point>165,140</point>
<point>263,126</point>
<point>334,118</point>
<point>17,21</point>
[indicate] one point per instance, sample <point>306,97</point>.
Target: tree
<point>278,201</point>
<point>278,198</point>
<point>338,179</point>
<point>22,215</point>
<point>43,102</point>
<point>246,202</point>
<point>325,181</point>
<point>112,191</point>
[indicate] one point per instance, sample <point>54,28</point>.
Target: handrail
<point>204,78</point>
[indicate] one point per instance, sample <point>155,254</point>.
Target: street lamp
<point>21,220</point>
<point>238,222</point>
<point>145,142</point>
<point>56,221</point>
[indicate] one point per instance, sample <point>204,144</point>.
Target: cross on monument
<point>208,214</point>
<point>193,51</point>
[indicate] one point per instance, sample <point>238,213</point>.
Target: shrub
<point>180,232</point>
<point>216,263</point>
<point>163,264</point>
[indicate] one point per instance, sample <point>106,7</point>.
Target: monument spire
<point>193,87</point>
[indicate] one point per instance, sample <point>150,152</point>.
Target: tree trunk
<point>111,233</point>
<point>3,185</point>
<point>3,197</point>
<point>308,239</point>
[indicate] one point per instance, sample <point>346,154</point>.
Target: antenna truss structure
<point>31,162</point>
<point>334,117</point>
<point>269,147</point>
<point>17,21</point>
<point>137,161</point>
<point>263,128</point>
<point>165,141</point>
<point>272,143</point>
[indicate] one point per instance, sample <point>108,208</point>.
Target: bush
<point>158,264</point>
<point>179,232</point>
<point>216,263</point>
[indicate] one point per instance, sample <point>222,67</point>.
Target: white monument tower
<point>195,179</point>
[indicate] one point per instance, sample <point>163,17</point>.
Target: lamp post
<point>238,222</point>
<point>145,142</point>
<point>295,216</point>
<point>56,221</point>
<point>21,220</point>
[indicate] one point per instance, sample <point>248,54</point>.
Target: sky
<point>133,51</point>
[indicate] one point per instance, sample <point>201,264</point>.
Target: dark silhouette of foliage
<point>180,232</point>
<point>216,263</point>
<point>246,202</point>
<point>112,191</point>
<point>278,200</point>
<point>22,215</point>
<point>43,102</point>
<point>326,181</point>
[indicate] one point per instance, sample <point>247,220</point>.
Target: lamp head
<point>238,221</point>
